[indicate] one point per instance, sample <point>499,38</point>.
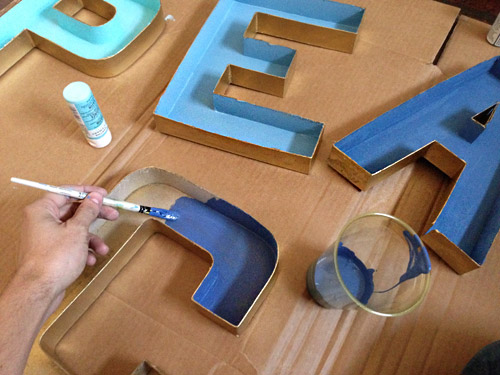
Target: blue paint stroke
<point>163,214</point>
<point>471,216</point>
<point>244,252</point>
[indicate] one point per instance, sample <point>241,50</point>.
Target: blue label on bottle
<point>90,113</point>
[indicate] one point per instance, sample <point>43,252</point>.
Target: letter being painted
<point>241,252</point>
<point>103,51</point>
<point>195,105</point>
<point>453,126</point>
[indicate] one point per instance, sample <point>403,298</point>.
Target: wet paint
<point>244,253</point>
<point>160,213</point>
<point>325,287</point>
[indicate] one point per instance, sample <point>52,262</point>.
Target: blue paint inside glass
<point>357,278</point>
<point>471,217</point>
<point>244,253</point>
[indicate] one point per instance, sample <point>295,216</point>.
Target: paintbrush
<point>151,211</point>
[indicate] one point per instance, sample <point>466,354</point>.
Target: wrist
<point>35,284</point>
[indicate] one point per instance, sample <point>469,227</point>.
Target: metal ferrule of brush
<point>158,212</point>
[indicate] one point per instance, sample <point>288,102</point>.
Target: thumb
<point>88,210</point>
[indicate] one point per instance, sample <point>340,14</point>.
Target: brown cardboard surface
<point>467,47</point>
<point>163,315</point>
<point>416,29</point>
<point>146,369</point>
<point>44,142</point>
<point>41,140</point>
<point>274,325</point>
<point>290,334</point>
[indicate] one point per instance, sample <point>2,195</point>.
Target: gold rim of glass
<point>354,299</point>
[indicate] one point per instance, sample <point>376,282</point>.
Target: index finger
<point>62,200</point>
<point>107,213</point>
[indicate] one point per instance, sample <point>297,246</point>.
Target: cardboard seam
<point>359,321</point>
<point>129,134</point>
<point>396,52</point>
<point>313,209</point>
<point>125,149</point>
<point>119,164</point>
<point>444,315</point>
<point>236,360</point>
<point>407,342</point>
<point>334,340</point>
<point>304,340</point>
<point>149,317</point>
<point>447,39</point>
<point>288,338</point>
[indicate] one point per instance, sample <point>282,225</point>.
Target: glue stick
<point>87,114</point>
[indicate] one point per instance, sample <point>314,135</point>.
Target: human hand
<point>55,246</point>
<point>56,243</point>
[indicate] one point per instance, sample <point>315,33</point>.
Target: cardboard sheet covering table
<point>290,334</point>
